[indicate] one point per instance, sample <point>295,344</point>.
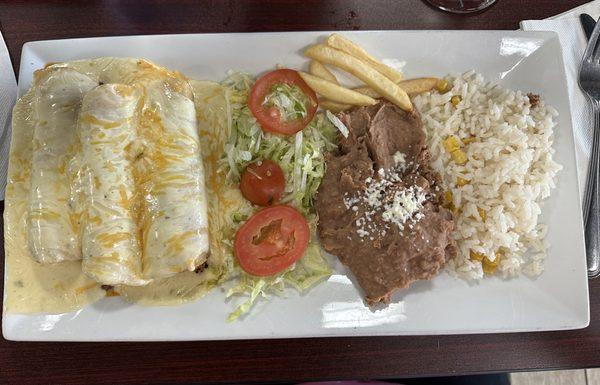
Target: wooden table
<point>278,360</point>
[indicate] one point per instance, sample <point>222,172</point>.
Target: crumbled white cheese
<point>362,233</point>
<point>405,204</point>
<point>349,202</point>
<point>400,160</point>
<point>403,209</point>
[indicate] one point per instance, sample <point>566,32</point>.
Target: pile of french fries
<point>381,81</point>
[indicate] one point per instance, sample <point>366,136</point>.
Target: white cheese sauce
<point>31,287</point>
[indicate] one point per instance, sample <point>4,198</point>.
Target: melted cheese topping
<point>171,175</point>
<point>209,99</point>
<point>32,287</point>
<point>111,247</point>
<point>53,234</point>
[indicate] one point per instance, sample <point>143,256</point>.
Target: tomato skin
<point>271,240</point>
<point>269,117</point>
<point>263,183</point>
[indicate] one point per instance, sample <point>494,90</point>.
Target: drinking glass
<point>461,6</point>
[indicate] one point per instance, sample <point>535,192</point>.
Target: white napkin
<point>573,42</point>
<point>8,96</point>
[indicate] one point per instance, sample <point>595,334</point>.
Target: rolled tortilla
<point>223,200</point>
<point>107,124</point>
<point>31,287</point>
<point>175,223</point>
<point>54,212</point>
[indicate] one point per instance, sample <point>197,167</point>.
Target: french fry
<point>366,90</point>
<point>412,87</point>
<point>319,70</point>
<point>339,42</point>
<point>335,92</point>
<point>418,85</point>
<point>363,71</point>
<point>327,104</point>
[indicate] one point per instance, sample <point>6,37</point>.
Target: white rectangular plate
<point>530,61</point>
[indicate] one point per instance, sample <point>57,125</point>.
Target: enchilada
<point>107,126</point>
<point>32,287</point>
<point>174,224</point>
<point>54,205</point>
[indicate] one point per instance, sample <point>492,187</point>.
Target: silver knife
<point>587,23</point>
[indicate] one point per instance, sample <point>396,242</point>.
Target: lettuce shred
<point>301,158</point>
<point>289,100</point>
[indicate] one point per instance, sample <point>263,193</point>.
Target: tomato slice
<point>269,117</point>
<point>271,240</point>
<point>263,183</point>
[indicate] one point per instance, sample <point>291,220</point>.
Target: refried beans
<point>379,203</point>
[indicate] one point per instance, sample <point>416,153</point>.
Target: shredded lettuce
<point>255,289</point>
<point>337,123</point>
<point>289,100</point>
<point>301,158</point>
<point>304,274</point>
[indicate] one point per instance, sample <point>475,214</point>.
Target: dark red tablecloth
<point>278,360</point>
